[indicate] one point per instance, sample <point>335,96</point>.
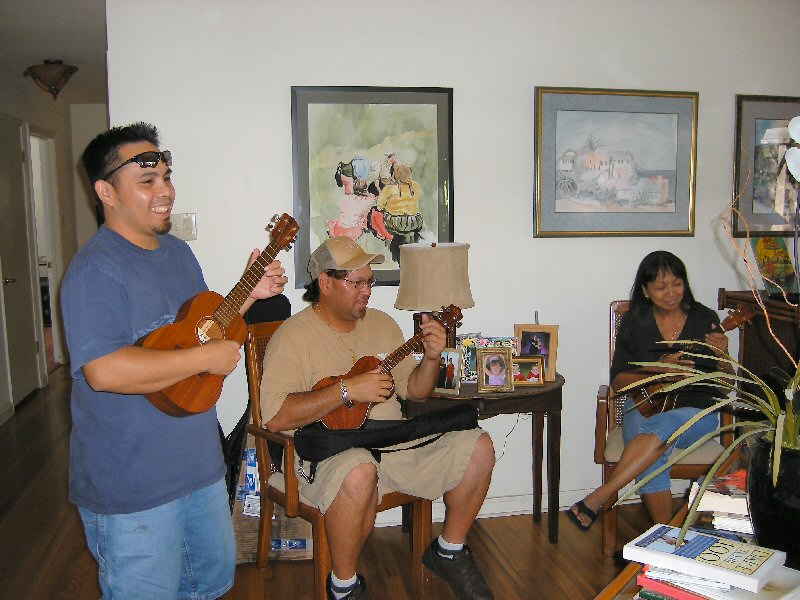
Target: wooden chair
<point>608,442</point>
<point>279,482</point>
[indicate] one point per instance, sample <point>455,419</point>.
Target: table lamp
<point>434,276</point>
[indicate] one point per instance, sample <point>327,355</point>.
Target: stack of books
<point>709,567</point>
<point>726,499</point>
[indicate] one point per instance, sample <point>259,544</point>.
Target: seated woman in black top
<point>662,308</point>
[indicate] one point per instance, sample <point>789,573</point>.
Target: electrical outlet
<point>184,225</point>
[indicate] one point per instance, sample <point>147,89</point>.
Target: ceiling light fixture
<point>51,76</point>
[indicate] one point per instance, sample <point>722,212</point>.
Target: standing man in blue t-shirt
<point>150,487</point>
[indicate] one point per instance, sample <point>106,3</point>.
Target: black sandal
<point>582,510</point>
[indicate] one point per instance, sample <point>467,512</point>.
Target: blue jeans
<point>664,425</point>
<point>184,549</point>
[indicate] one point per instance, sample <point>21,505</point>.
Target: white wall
<point>220,92</point>
<point>86,121</point>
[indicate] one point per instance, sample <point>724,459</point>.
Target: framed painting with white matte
<point>539,340</point>
<point>495,370</point>
<point>528,371</point>
<point>449,379</point>
<point>614,162</point>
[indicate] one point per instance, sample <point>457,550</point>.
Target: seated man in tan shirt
<point>326,339</point>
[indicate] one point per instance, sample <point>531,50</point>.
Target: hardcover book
<point>725,494</point>
<point>784,584</point>
<point>742,565</point>
<point>732,522</point>
<point>667,589</point>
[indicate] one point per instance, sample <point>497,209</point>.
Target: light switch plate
<point>184,226</point>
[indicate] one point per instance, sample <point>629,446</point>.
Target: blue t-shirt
<point>125,454</point>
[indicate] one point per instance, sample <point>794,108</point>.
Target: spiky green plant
<point>780,424</point>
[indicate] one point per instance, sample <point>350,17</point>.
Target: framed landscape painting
<point>614,162</point>
<point>373,164</point>
<point>764,192</point>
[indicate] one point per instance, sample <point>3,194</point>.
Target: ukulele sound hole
<point>208,329</point>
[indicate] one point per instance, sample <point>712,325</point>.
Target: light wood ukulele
<point>354,417</point>
<point>651,400</point>
<point>208,316</point>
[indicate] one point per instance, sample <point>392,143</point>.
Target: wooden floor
<point>43,554</point>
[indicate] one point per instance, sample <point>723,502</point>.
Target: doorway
<point>20,322</point>
<point>48,244</point>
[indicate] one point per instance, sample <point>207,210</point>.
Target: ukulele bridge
<point>208,329</point>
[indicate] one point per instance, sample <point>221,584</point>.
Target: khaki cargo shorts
<point>427,472</point>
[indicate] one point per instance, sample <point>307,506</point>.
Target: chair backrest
<point>255,345</point>
<point>619,309</point>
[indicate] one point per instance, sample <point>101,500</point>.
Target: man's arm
<point>302,408</point>
<point>137,370</point>
<point>423,378</point>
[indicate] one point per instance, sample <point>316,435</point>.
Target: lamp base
<point>449,331</point>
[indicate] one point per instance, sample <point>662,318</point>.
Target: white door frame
<point>52,227</point>
<point>6,402</point>
<point>30,211</point>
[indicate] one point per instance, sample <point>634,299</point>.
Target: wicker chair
<point>608,442</point>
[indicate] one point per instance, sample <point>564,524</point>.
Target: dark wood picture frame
<point>356,131</point>
<point>760,177</point>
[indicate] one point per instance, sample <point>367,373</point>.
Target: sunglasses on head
<point>146,160</point>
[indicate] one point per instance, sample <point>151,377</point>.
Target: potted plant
<point>773,481</point>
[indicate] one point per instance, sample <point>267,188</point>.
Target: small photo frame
<point>539,340</point>
<point>494,364</point>
<point>449,379</point>
<point>528,371</point>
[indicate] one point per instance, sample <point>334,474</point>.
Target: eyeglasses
<point>359,285</point>
<point>146,160</point>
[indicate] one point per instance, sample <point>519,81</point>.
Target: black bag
<point>316,442</point>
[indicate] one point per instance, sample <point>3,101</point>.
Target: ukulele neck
<point>230,306</point>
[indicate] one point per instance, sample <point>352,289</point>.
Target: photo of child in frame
<point>495,369</point>
<point>528,371</point>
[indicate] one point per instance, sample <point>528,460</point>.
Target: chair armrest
<point>601,424</point>
<point>291,489</point>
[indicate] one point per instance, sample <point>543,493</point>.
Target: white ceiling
<point>71,30</point>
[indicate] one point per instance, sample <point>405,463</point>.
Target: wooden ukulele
<point>208,316</point>
<point>355,416</point>
<point>651,400</point>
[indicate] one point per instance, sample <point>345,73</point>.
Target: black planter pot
<point>775,511</point>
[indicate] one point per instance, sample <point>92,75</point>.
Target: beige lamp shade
<point>433,276</point>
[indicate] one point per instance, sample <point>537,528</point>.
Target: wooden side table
<point>541,401</point>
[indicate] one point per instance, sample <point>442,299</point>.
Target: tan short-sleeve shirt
<point>305,350</point>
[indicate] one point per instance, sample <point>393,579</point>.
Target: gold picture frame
<point>539,340</point>
<point>489,378</point>
<point>528,371</point>
<point>614,162</point>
